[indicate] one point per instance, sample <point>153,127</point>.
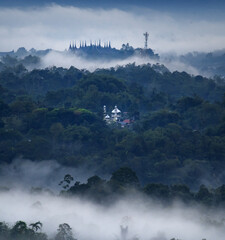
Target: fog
<point>63,59</point>
<point>44,174</point>
<point>145,220</point>
<point>66,60</point>
<point>54,26</point>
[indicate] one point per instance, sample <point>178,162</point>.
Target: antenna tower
<point>146,35</point>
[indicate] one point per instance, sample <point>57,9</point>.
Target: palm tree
<point>19,230</point>
<point>36,226</point>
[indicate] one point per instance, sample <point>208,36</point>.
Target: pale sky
<point>53,25</point>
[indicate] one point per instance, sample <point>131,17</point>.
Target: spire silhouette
<point>86,46</point>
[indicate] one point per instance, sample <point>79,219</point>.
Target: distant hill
<point>92,51</point>
<point>106,52</point>
<point>209,64</point>
<point>177,133</point>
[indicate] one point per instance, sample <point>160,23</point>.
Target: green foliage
<point>21,231</point>
<point>124,182</point>
<point>36,82</point>
<point>178,134</point>
<point>176,84</point>
<point>157,191</point>
<point>4,231</point>
<point>204,195</point>
<point>64,232</point>
<point>36,226</point>
<point>66,181</point>
<point>125,177</point>
<point>160,119</point>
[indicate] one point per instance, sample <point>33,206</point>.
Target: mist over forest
<point>112,120</point>
<point>64,169</point>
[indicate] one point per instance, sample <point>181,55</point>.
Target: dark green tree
<point>125,177</point>
<point>66,181</point>
<point>64,232</point>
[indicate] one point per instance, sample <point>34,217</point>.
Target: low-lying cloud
<point>25,174</point>
<point>145,219</point>
<point>55,26</point>
<point>67,60</point>
<point>63,59</point>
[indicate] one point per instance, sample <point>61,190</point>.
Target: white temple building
<point>115,115</point>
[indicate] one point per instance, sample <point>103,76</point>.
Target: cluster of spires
<point>98,44</point>
<point>83,44</point>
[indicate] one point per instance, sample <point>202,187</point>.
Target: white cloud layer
<point>25,174</point>
<point>66,60</point>
<point>60,59</point>
<point>55,26</point>
<point>145,220</point>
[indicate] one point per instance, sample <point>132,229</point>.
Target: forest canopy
<point>176,135</point>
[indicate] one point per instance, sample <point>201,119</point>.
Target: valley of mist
<point>88,220</point>
<point>129,145</point>
<point>145,214</point>
<point>52,125</point>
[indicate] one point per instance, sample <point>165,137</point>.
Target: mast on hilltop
<point>146,35</point>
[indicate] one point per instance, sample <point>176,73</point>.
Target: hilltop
<point>57,113</point>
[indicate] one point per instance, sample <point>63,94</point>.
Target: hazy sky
<point>159,4</point>
<point>174,26</point>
